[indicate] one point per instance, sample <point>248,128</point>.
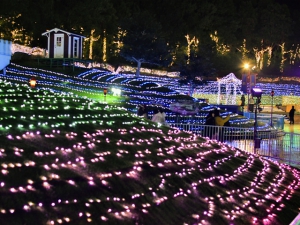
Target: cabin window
<point>58,41</point>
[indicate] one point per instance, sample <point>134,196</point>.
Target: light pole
<point>247,68</point>
<point>272,95</point>
<point>248,82</point>
<point>256,92</point>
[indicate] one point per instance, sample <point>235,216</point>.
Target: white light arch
<point>231,84</point>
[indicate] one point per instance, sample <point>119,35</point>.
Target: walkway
<point>293,128</point>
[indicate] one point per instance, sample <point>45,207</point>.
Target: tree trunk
<point>139,64</point>
<point>190,42</point>
<point>92,39</point>
<point>104,47</point>
<point>91,44</point>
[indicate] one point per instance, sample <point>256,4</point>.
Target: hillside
<point>70,160</point>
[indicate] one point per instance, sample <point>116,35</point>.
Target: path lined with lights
<point>102,78</point>
<point>83,84</point>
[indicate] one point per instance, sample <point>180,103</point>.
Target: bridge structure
<point>5,54</point>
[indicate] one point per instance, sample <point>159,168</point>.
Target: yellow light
<point>246,66</point>
<point>32,82</point>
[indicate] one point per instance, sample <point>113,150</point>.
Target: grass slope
<point>69,160</point>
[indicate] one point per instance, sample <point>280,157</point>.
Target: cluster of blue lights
<point>94,80</point>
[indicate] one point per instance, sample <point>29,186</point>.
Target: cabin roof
<point>60,30</point>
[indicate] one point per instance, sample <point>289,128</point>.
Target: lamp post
<point>272,95</point>
<point>256,92</point>
<point>247,68</point>
<point>248,82</point>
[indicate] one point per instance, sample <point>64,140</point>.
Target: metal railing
<point>274,144</point>
<point>277,119</point>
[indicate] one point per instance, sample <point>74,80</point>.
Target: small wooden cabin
<point>63,44</point>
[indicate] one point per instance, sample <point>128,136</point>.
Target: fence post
<point>269,144</point>
<point>291,137</point>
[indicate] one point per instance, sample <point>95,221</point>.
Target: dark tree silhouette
<point>199,68</point>
<point>143,42</point>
